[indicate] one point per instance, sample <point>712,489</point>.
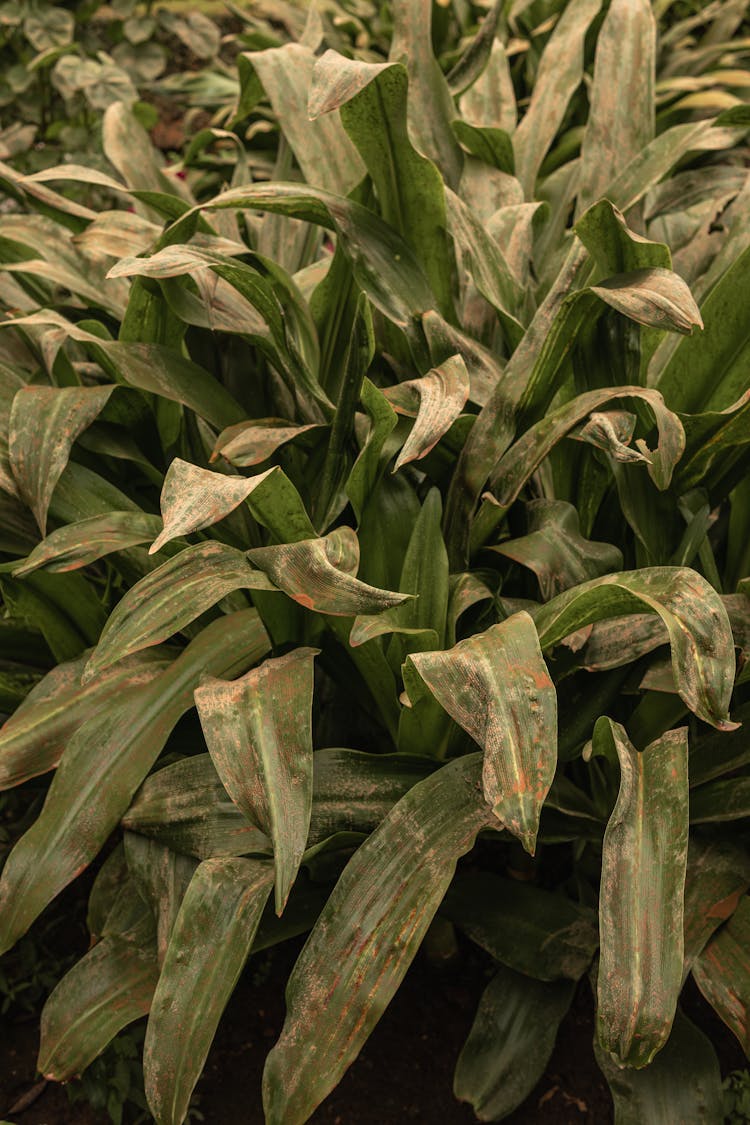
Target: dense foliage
<point>381,520</point>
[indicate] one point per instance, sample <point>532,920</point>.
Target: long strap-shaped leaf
<point>641,897</point>
<point>210,943</point>
<point>368,934</point>
<point>103,765</point>
<point>510,1042</point>
<point>78,544</point>
<point>497,687</point>
<point>111,986</point>
<point>703,659</point>
<point>372,100</point>
<point>34,738</point>
<point>172,596</point>
<point>44,424</point>
<point>722,973</point>
<point>258,731</point>
<point>440,397</point>
<point>718,875</point>
<point>317,573</point>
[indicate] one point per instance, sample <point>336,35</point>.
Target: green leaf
<point>81,543</point>
<point>318,574</point>
<point>44,424</point>
<point>722,972</point>
<point>644,858</point>
<point>540,934</point>
<point>683,1083</point>
<point>559,74</point>
<point>104,763</point>
<point>193,498</point>
<point>368,934</point>
<point>258,730</point>
<point>474,59</point>
<point>695,618</point>
<point>367,467</point>
<point>384,265</point>
<point>555,550</point>
<point>496,686</point>
<point>484,260</point>
<point>171,597</point>
<point>162,877</point>
<point>493,146</point>
<point>186,807</point>
<point>435,400</point>
<point>621,101</point>
<point>211,940</point>
<point>510,1042</point>
<point>718,874</point>
<point>112,985</point>
<point>614,247</point>
<point>657,298</point>
<point>324,152</point>
<point>372,100</point>
<point>35,736</point>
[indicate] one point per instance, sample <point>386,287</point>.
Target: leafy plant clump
<point>378,518</point>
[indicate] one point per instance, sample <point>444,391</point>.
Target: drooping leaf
<point>641,896</point>
<point>367,935</point>
<point>318,574</point>
<point>44,424</point>
<point>555,550</point>
<point>250,443</point>
<point>258,730</point>
<point>172,596</point>
<point>79,544</point>
<point>211,940</point>
<point>435,400</point>
<point>104,763</point>
<point>510,1042</point>
<point>496,686</point>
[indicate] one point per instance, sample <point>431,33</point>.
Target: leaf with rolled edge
<point>485,263</point>
<point>258,730</point>
<point>249,443</point>
<point>699,632</point>
<point>34,737</point>
<point>104,763</point>
<point>435,400</point>
<point>367,935</point>
<point>171,597</point>
<point>186,807</point>
<point>496,686</point>
<point>612,431</point>
<point>110,987</point>
<point>710,439</point>
<point>683,1082</point>
<point>510,1042</point>
<point>722,973</point>
<point>718,875</point>
<point>318,574</point>
<point>372,101</point>
<point>621,640</point>
<point>162,877</point>
<point>44,424</point>
<point>559,74</point>
<point>193,498</point>
<point>657,298</point>
<point>470,66</point>
<point>555,550</point>
<point>543,935</point>
<point>493,146</point>
<point>383,264</point>
<point>524,456</point>
<point>78,544</point>
<point>644,857</point>
<point>211,940</point>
